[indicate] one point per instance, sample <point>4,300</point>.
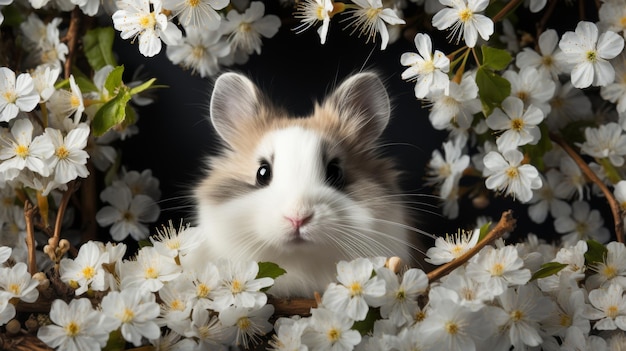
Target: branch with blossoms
<point>534,115</point>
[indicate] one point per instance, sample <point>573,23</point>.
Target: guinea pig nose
<point>299,221</point>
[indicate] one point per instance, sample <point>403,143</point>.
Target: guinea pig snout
<point>299,220</point>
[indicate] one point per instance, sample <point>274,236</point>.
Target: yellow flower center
<point>468,294</point>
<point>203,291</point>
<point>198,52</point>
<point>547,61</point>
<point>457,250</point>
<point>517,315</point>
<point>22,151</point>
<point>74,101</point>
<point>10,96</point>
<point>356,289</point>
<point>592,56</point>
<point>512,173</point>
<point>517,124</point>
<point>497,269</point>
<point>14,289</point>
<point>400,295</point>
<point>244,323</point>
<point>320,13</point>
<point>151,273</point>
<point>622,21</point>
<point>245,27</point>
<point>373,13</point>
<point>177,305</point>
<point>193,3</point>
<point>72,329</point>
<point>451,327</point>
<point>88,272</point>
<point>612,311</point>
<point>236,287</point>
<point>609,272</point>
<point>333,335</point>
<point>465,15</point>
<point>522,95</point>
<point>127,315</point>
<point>565,320</point>
<point>420,316</point>
<point>581,228</point>
<point>62,152</point>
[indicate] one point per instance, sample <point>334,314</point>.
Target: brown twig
<point>506,224</point>
<point>505,10</point>
<point>290,307</point>
<point>29,212</point>
<point>71,40</point>
<point>616,209</point>
<point>71,188</point>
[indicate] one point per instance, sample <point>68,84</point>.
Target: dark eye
<point>334,174</point>
<point>264,174</point>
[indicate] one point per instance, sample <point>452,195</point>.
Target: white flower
<point>458,107</point>
<point>520,126</point>
<point>245,30</point>
<point>149,271</point>
<point>504,173</point>
<point>451,247</point>
<point>208,329</point>
<point>248,324</point>
<point>16,94</point>
<point>64,103</point>
<point>177,299</point>
<point>206,280</point>
<point>69,159</point>
<point>569,314</point>
<point>605,141</point>
<point>198,14</point>
<point>288,335</point>
<point>310,12</point>
<point>356,291</point>
<point>609,306</point>
<point>88,7</point>
<point>7,309</point>
<point>330,330</point>
<point>574,258</point>
<point>589,54</point>
<point>532,87</point>
<point>427,69</point>
<point>44,78</point>
<point>568,104</point>
<point>76,327</point>
<point>370,18</point>
<point>240,287</point>
<point>142,183</point>
<point>199,51</point>
<point>447,169</point>
<point>86,270</point>
<point>400,302</point>
<point>524,307</point>
<point>498,268</point>
<point>611,15</point>
<point>611,269</point>
<point>143,18</point>
<point>550,198</point>
<point>470,293</point>
<point>136,313</point>
<point>5,253</point>
<point>452,327</point>
<point>127,213</point>
<point>582,224</point>
<point>171,241</point>
<point>19,150</point>
<point>464,19</point>
<point>616,91</point>
<point>574,181</point>
<point>548,60</point>
<point>19,283</point>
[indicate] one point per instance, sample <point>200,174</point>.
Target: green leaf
<point>98,47</point>
<point>366,326</point>
<point>84,83</point>
<point>144,243</point>
<point>115,342</point>
<point>496,59</point>
<point>492,88</point>
<point>142,87</point>
<point>114,80</point>
<point>548,269</point>
<point>269,270</point>
<point>112,113</point>
<point>484,230</point>
<point>596,252</point>
<point>13,16</point>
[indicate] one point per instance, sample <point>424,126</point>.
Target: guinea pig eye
<point>334,174</point>
<point>264,174</point>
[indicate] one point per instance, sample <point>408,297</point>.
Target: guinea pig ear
<point>235,99</point>
<point>362,101</point>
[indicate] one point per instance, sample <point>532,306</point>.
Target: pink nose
<point>299,221</point>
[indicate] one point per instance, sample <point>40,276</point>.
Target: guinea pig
<point>301,192</point>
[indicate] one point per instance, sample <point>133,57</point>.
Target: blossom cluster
<point>488,303</point>
<point>220,303</point>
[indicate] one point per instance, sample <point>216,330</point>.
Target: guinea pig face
<point>301,184</point>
